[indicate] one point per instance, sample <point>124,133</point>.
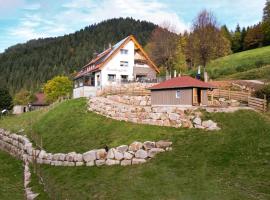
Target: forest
<point>31,64</point>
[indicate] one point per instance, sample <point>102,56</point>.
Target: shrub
<point>57,87</point>
<point>5,99</point>
<point>263,91</point>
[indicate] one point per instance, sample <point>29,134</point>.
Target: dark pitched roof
<point>182,82</point>
<point>98,62</point>
<point>40,100</point>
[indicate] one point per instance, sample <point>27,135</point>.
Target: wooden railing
<point>230,94</point>
<point>253,102</point>
<point>258,104</point>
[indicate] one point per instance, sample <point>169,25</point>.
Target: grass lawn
<point>258,73</point>
<point>11,178</point>
<point>229,164</point>
<point>239,62</point>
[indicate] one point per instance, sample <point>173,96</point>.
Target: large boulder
<point>163,144</point>
<point>197,120</point>
<point>210,125</point>
<point>122,148</point>
<point>70,156</point>
<point>100,162</point>
<point>135,146</point>
<point>173,116</point>
<point>58,157</point>
<point>141,154</point>
<point>78,157</point>
<point>101,154</point>
<point>136,161</point>
<point>42,154</point>
<point>149,145</point>
<point>118,155</point>
<point>110,153</point>
<point>90,156</point>
<point>112,162</point>
<point>125,162</point>
<point>154,151</point>
<point>128,155</point>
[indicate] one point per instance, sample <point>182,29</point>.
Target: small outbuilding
<point>184,90</point>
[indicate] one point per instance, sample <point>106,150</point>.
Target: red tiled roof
<point>181,82</point>
<point>40,99</point>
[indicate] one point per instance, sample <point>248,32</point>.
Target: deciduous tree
<point>23,97</point>
<point>206,41</point>
<point>57,87</point>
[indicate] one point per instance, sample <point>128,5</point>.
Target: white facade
<point>121,66</point>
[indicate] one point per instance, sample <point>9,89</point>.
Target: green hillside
<point>239,62</point>
<point>30,64</point>
<point>262,73</point>
<point>229,164</point>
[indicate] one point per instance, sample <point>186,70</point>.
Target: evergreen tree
<point>237,46</point>
<point>226,33</point>
<point>5,99</point>
<point>266,12</point>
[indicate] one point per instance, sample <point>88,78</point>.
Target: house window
<point>124,51</point>
<point>124,78</point>
<point>177,95</point>
<point>111,77</point>
<point>124,63</point>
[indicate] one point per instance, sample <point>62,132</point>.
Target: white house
<point>125,61</point>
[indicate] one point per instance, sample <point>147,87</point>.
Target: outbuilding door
<point>197,96</point>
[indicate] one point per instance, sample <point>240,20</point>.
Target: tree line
<point>250,37</point>
<point>205,41</point>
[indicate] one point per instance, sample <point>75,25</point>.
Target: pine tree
<point>266,12</point>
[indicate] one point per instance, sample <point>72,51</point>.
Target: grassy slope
<point>229,164</point>
<point>11,178</point>
<point>258,73</point>
<point>239,62</point>
<point>69,127</point>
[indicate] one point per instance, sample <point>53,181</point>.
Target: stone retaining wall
<point>131,100</point>
<point>172,116</point>
<point>135,153</point>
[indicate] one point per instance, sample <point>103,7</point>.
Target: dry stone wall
<point>124,108</point>
<point>135,153</point>
<point>131,100</point>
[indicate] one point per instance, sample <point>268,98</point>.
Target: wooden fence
<point>253,102</point>
<point>258,104</point>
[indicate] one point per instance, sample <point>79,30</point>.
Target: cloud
<point>150,10</point>
<point>32,7</point>
<point>50,18</point>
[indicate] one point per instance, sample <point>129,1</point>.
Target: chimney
<point>95,54</point>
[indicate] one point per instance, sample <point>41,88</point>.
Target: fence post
<point>265,103</point>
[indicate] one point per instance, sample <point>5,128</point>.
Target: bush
<point>5,99</point>
<point>263,91</point>
<point>57,87</point>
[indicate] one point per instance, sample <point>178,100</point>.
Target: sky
<point>22,20</point>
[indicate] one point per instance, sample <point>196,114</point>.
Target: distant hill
<point>30,64</point>
<point>243,65</point>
